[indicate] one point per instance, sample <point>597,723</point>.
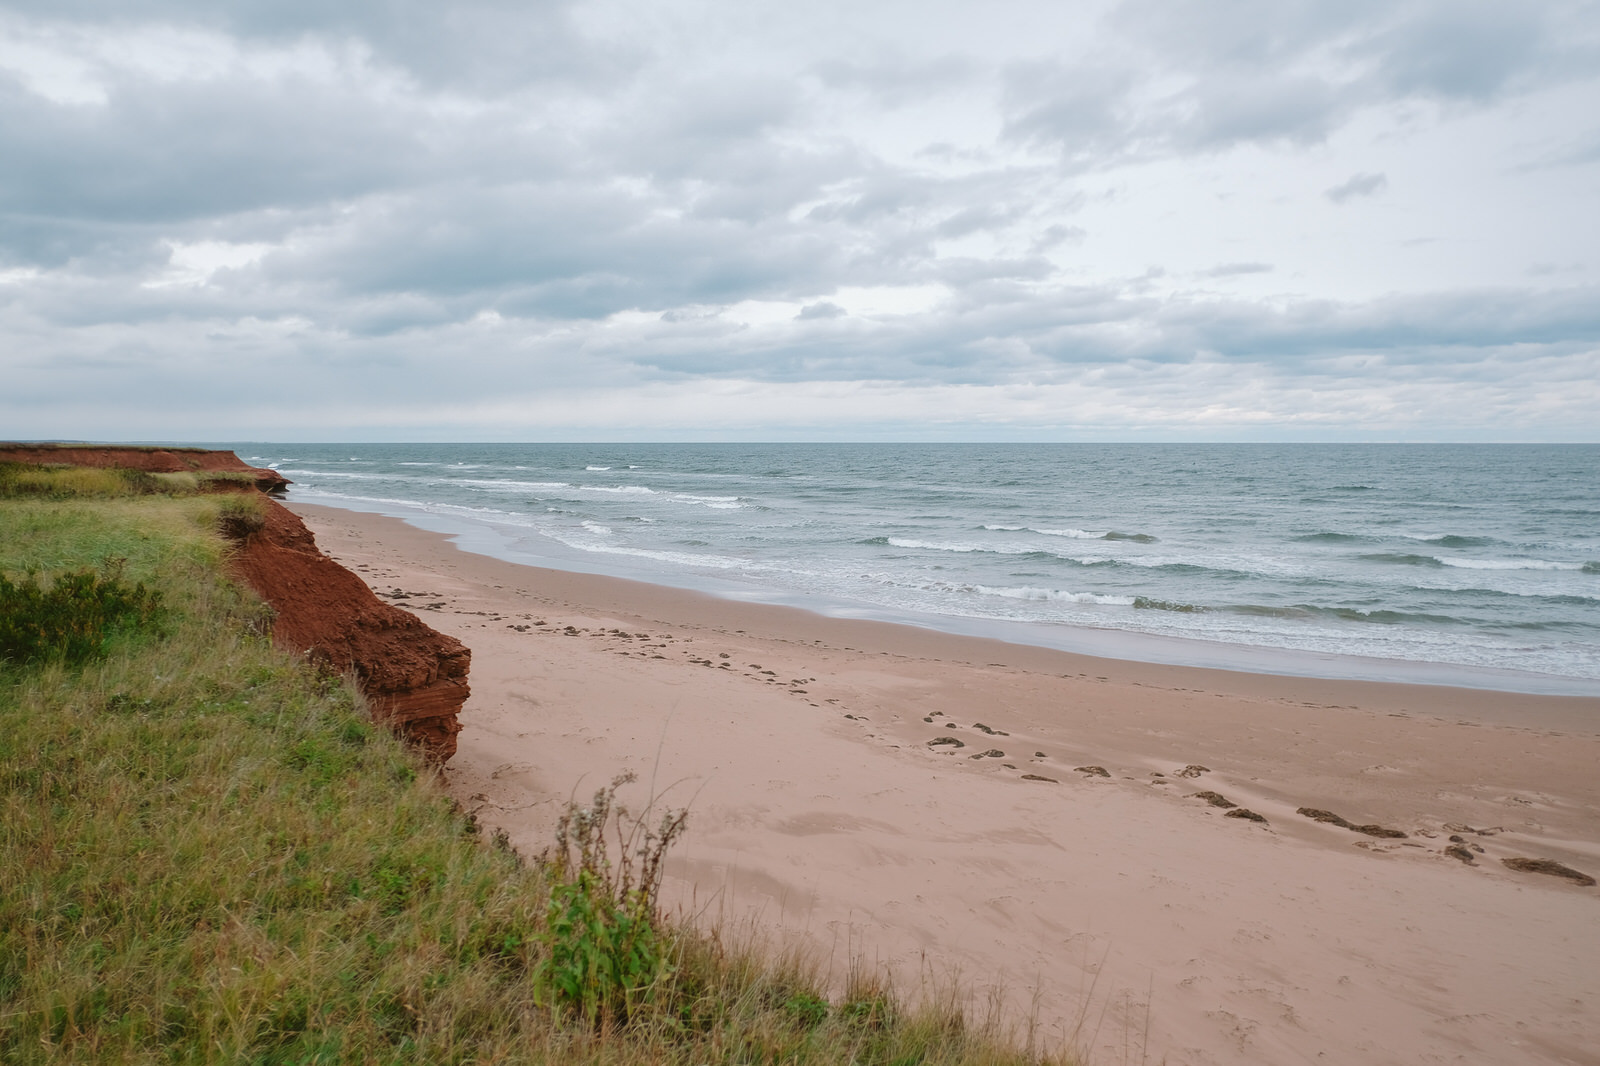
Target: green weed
<point>605,948</point>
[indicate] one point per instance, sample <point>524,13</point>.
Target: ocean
<point>1476,565</point>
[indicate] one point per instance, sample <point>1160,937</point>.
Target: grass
<point>207,854</point>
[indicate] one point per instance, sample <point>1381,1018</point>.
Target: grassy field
<point>208,855</point>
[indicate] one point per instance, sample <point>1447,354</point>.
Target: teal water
<point>1474,564</point>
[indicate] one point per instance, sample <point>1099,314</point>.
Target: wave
<point>1450,540</point>
<point>507,483</point>
<point>1401,559</point>
<point>716,503</point>
<point>334,473</point>
<point>962,548</point>
<point>617,490</point>
<point>597,529</point>
<point>1077,534</point>
<point>1307,611</point>
<point>1028,592</point>
<point>1509,564</point>
<point>1331,538</point>
<point>1590,568</point>
<point>597,469</point>
<point>1147,603</point>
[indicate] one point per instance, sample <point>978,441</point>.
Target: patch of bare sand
<point>914,798</point>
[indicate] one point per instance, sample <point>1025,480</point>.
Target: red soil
<point>414,677</point>
<point>150,460</point>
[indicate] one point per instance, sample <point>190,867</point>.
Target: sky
<point>531,220</point>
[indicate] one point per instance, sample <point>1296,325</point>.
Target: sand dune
<point>1064,829</point>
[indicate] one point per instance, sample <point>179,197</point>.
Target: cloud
<point>420,214</point>
<point>1357,185</point>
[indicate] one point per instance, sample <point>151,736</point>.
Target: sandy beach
<point>1062,834</point>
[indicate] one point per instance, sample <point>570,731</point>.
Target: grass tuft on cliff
<point>207,854</point>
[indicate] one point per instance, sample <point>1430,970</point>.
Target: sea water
<point>1460,564</point>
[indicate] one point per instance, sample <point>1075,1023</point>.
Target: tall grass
<point>207,854</point>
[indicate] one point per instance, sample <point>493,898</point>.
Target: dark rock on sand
<point>1216,799</point>
<point>947,742</point>
<point>1093,771</point>
<point>1333,819</point>
<point>1548,866</point>
<point>1459,851</point>
<point>1039,777</point>
<point>1243,812</point>
<point>1192,771</point>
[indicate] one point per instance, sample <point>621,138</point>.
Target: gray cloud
<point>1357,185</point>
<point>408,205</point>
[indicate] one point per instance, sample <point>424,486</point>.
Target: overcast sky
<point>662,219</point>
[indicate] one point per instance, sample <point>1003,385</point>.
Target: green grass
<point>208,855</point>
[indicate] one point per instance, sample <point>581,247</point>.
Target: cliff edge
<point>414,677</point>
<point>151,459</point>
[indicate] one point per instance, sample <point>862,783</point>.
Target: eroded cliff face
<point>414,677</point>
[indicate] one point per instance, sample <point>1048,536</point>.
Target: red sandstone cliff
<point>152,460</point>
<point>414,677</point>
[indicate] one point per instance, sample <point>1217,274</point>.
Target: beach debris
<point>946,742</point>
<point>951,725</point>
<point>1040,755</point>
<point>1192,770</point>
<point>1548,866</point>
<point>980,727</point>
<point>1460,851</point>
<point>1247,814</point>
<point>1318,815</point>
<point>1093,771</point>
<point>929,718</point>
<point>992,753</point>
<point>1216,799</point>
<point>1039,777</point>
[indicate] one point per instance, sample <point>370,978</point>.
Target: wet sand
<point>1156,863</point>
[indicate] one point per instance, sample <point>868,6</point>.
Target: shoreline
<point>1126,645</point>
<point>822,816</point>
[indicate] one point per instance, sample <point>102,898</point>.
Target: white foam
<point>925,545</point>
<point>1028,592</point>
<point>716,503</point>
<point>621,490</point>
<point>597,529</point>
<point>597,468</point>
<point>506,483</point>
<point>1507,564</point>
<point>1073,534</point>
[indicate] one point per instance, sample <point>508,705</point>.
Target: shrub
<point>605,947</point>
<point>71,620</point>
